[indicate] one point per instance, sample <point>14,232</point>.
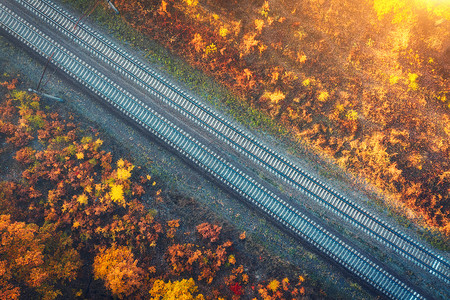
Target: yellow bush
<point>120,163</point>
<point>117,193</point>
<point>18,95</point>
<point>274,97</point>
<point>259,24</point>
<point>412,81</point>
<point>248,42</point>
<point>306,82</point>
<point>393,79</point>
<point>211,48</point>
<point>323,96</point>
<point>400,9</point>
<point>198,42</point>
<point>177,290</point>
<point>191,2</point>
<point>223,32</point>
<point>82,199</point>
<point>231,259</point>
<point>351,115</point>
<point>273,285</point>
<point>80,155</point>
<point>97,144</point>
<point>124,174</point>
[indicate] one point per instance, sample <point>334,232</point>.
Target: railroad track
<point>158,86</point>
<point>299,223</point>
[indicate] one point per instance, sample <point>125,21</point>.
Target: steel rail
<point>203,157</point>
<point>280,166</point>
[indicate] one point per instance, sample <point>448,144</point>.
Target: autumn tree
<point>34,257</point>
<point>117,267</point>
<point>205,262</point>
<point>209,231</point>
<point>184,289</point>
<point>22,256</point>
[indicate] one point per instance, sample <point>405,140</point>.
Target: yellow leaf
<point>163,9</point>
<point>248,42</point>
<point>97,143</point>
<point>265,9</point>
<point>98,187</point>
<point>340,107</point>
<point>184,289</point>
<point>261,48</point>
<point>248,73</point>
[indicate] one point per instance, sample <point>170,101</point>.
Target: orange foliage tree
<point>87,203</point>
<point>34,257</point>
<point>117,267</point>
<point>204,262</point>
<point>209,231</point>
<point>184,289</point>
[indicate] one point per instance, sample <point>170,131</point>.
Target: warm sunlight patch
<point>402,10</point>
